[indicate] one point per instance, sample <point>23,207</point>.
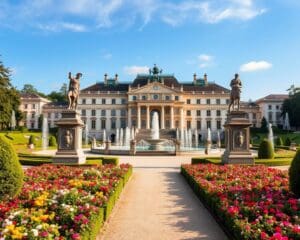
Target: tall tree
<point>60,96</point>
<point>9,98</point>
<point>29,88</point>
<point>292,107</point>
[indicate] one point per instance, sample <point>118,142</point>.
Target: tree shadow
<point>190,214</point>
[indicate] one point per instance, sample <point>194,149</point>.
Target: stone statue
<point>73,92</point>
<point>235,93</point>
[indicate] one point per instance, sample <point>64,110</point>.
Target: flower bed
<point>63,202</point>
<point>251,202</point>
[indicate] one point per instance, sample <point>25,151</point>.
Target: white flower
<point>72,209</point>
<point>35,232</point>
<point>39,227</point>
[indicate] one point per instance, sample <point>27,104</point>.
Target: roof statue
<point>235,94</point>
<point>73,92</point>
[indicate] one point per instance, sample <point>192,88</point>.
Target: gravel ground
<point>158,204</point>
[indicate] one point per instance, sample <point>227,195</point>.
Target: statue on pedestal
<point>235,94</point>
<point>73,92</point>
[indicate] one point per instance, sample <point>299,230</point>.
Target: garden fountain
<point>45,133</point>
<point>13,120</point>
<point>270,135</point>
<point>286,124</point>
<point>86,134</point>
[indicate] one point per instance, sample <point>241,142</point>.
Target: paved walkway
<point>158,204</point>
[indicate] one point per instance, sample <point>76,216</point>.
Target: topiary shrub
<point>294,174</point>
<point>265,150</point>
<point>31,140</point>
<point>287,142</point>
<point>279,141</point>
<point>52,141</point>
<point>11,173</point>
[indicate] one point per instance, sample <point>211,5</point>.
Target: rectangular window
<point>93,124</point>
<point>103,101</point>
<point>83,101</point>
<point>143,123</point>
<point>123,101</point>
<point>134,123</point>
<point>56,115</point>
<point>188,112</point>
<point>227,101</point>
<point>208,113</point>
<point>123,123</point>
<point>93,112</point>
<point>113,101</point>
<point>218,113</point>
<point>167,111</point>
<point>176,98</point>
<point>103,112</point>
<point>103,123</point>
<point>270,116</point>
<point>208,124</point>
<point>93,101</point>
<point>167,98</point>
<point>198,112</point>
<point>123,112</point>
<point>167,124</point>
<point>49,115</point>
<point>32,125</point>
<point>33,106</point>
<point>113,123</point>
<point>270,107</point>
<point>33,115</point>
<point>188,101</point>
<point>188,124</point>
<point>198,101</point>
<point>198,124</point>
<point>26,106</point>
<point>218,101</point>
<point>177,124</point>
<point>133,111</point>
<point>254,115</point>
<point>83,112</point>
<point>134,98</point>
<point>219,124</point>
<point>113,112</point>
<point>277,107</point>
<point>208,101</point>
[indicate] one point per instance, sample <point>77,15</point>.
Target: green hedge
<point>197,160</point>
<point>98,219</point>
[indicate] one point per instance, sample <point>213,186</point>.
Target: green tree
<point>60,96</point>
<point>11,173</point>
<point>265,150</point>
<point>9,98</point>
<point>264,125</point>
<point>294,174</point>
<point>292,107</point>
<point>29,88</point>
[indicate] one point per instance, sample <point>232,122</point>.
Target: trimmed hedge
<point>265,150</point>
<point>52,141</point>
<point>294,174</point>
<point>11,173</point>
<point>287,142</point>
<point>279,141</point>
<point>206,160</point>
<point>96,222</point>
<point>32,140</point>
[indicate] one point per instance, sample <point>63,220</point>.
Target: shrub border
<point>97,220</point>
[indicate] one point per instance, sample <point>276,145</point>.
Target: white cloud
<point>107,56</point>
<point>108,13</point>
<point>61,26</point>
<point>134,70</point>
<point>255,66</point>
<point>205,57</point>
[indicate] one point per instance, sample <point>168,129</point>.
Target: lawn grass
<point>258,137</point>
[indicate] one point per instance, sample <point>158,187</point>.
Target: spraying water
<point>127,137</point>
<point>13,120</point>
<point>270,135</point>
<point>117,141</point>
<point>155,127</point>
<point>121,140</point>
<point>286,125</point>
<point>104,136</point>
<point>86,134</point>
<point>45,133</point>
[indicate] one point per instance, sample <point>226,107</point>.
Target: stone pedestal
<point>107,147</point>
<point>237,138</point>
<point>69,139</point>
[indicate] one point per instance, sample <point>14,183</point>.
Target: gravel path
<point>158,204</point>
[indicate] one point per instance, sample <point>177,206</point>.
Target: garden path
<point>158,204</point>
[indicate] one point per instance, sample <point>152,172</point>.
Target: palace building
<point>111,104</point>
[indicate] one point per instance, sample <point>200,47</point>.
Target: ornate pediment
<point>152,88</point>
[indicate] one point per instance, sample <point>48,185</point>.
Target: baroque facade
<point>110,104</point>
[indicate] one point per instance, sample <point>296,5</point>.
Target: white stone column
<point>148,118</point>
<point>139,117</point>
<point>172,117</point>
<point>162,118</point>
<point>129,117</point>
<point>181,118</point>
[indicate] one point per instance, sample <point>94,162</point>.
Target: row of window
<point>277,107</point>
<point>113,112</point>
<point>103,123</point>
<point>208,113</point>
<point>26,106</point>
<point>104,101</point>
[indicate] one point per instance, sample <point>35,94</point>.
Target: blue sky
<point>42,40</point>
